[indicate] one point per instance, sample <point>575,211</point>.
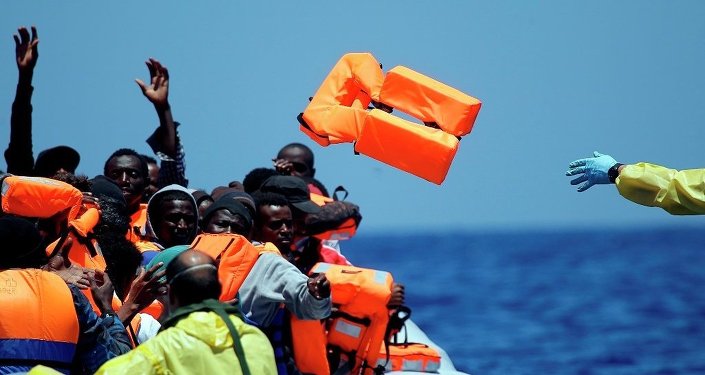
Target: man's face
<point>223,221</point>
<point>125,171</point>
<point>275,226</point>
<point>153,177</point>
<point>178,223</point>
<point>301,160</point>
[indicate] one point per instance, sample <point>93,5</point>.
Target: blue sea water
<point>579,302</point>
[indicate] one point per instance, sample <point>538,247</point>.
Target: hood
<point>149,228</point>
<point>208,327</point>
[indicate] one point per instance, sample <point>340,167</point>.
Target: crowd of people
<point>129,272</point>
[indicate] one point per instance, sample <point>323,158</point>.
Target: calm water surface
<point>621,302</point>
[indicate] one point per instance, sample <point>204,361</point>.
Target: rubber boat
<point>415,334</point>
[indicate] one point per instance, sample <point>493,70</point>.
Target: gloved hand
<point>591,170</point>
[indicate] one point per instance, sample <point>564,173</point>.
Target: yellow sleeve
<point>677,192</point>
<point>136,361</point>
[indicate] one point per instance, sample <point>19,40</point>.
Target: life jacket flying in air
<point>338,113</point>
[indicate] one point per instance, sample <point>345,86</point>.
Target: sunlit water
<point>601,302</point>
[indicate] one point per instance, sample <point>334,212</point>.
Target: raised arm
<point>18,155</point>
<point>165,139</point>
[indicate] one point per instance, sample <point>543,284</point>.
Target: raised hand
<point>26,52</point>
<point>157,91</point>
<point>592,170</point>
<point>147,286</point>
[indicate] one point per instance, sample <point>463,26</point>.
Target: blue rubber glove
<point>592,171</point>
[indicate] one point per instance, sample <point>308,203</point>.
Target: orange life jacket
<point>38,322</point>
<point>342,228</point>
<point>357,328</point>
<point>409,357</point>
<point>338,113</point>
<point>39,197</point>
<point>84,250</point>
<point>237,257</point>
<point>138,222</point>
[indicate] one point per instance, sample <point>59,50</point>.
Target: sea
<point>602,301</point>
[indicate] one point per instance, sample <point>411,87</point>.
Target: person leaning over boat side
<point>677,192</point>
<point>18,155</point>
<point>201,335</point>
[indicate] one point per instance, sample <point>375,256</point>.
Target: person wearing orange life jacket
<point>65,333</point>
<point>201,335</point>
<point>271,283</point>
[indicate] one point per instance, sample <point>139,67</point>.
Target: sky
<point>558,80</point>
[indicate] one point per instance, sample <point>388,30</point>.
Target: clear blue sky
<point>558,79</point>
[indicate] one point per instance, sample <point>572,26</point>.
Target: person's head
<point>23,244</point>
<point>56,159</point>
<point>296,192</point>
<point>274,221</point>
<point>130,172</point>
<point>227,215</point>
<point>153,173</point>
<point>301,157</point>
<point>172,216</point>
<point>203,201</point>
<point>192,277</point>
<point>254,179</point>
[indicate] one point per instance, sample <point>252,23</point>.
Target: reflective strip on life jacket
<point>410,357</point>
<point>414,148</point>
<point>39,197</point>
<point>38,319</point>
<point>360,322</point>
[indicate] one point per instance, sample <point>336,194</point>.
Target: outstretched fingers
<point>578,180</point>
<point>576,170</point>
<point>578,163</point>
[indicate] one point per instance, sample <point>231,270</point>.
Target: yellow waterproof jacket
<point>678,192</point>
<point>198,344</point>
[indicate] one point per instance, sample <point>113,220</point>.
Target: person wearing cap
<point>271,283</point>
<point>227,215</point>
<point>18,155</point>
<point>201,335</point>
<point>64,332</point>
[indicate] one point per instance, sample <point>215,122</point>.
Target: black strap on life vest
<point>224,311</point>
<point>337,190</point>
